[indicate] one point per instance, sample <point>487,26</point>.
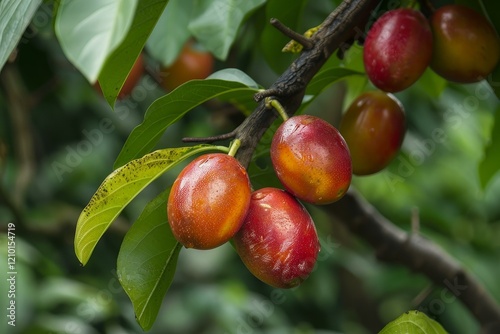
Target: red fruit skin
<point>311,159</point>
<point>466,47</point>
<point>397,49</point>
<point>374,128</point>
<point>190,64</point>
<point>278,241</point>
<point>208,201</point>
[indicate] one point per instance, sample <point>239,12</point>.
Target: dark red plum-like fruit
<point>311,159</point>
<point>374,128</point>
<point>208,201</point>
<point>397,49</point>
<point>278,241</point>
<point>466,47</point>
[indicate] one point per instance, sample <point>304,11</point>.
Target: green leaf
<point>119,188</point>
<point>236,75</point>
<point>272,41</point>
<point>489,165</point>
<point>325,78</point>
<point>413,322</point>
<point>171,32</point>
<point>89,31</point>
<point>431,83</point>
<point>118,65</point>
<point>147,260</point>
<point>170,108</point>
<point>15,15</point>
<point>218,23</point>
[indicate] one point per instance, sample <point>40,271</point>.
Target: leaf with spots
<point>147,260</point>
<point>413,322</point>
<point>120,187</point>
<point>170,108</point>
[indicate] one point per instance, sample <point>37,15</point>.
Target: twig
<point>306,42</point>
<point>210,139</point>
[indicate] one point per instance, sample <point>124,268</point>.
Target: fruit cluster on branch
<point>340,27</point>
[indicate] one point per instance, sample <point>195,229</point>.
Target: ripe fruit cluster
<point>456,42</point>
<point>211,201</point>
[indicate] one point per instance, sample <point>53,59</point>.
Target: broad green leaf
<point>272,41</point>
<point>147,260</point>
<point>325,78</point>
<point>171,32</point>
<point>413,322</point>
<point>89,31</point>
<point>15,15</point>
<point>119,188</point>
<point>490,165</point>
<point>431,83</point>
<point>118,65</point>
<point>170,108</point>
<point>218,22</point>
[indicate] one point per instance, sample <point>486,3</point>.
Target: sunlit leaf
<point>89,31</point>
<point>490,164</point>
<point>15,15</point>
<point>119,188</point>
<point>236,75</point>
<point>147,260</point>
<point>170,108</point>
<point>117,67</point>
<point>413,322</point>
<point>218,22</point>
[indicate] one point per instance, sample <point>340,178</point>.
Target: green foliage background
<point>447,170</point>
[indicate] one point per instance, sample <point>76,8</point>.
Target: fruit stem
<point>273,103</point>
<point>234,146</point>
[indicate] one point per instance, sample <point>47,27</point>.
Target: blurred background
<point>59,139</point>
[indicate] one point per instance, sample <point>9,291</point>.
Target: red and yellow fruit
<point>466,48</point>
<point>278,241</point>
<point>311,159</point>
<point>374,128</point>
<point>208,201</point>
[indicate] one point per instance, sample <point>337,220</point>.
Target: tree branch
<point>392,244</point>
<point>341,25</point>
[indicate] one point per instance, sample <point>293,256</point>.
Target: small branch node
<point>259,96</point>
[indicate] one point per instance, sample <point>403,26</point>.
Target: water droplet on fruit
<point>258,196</point>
